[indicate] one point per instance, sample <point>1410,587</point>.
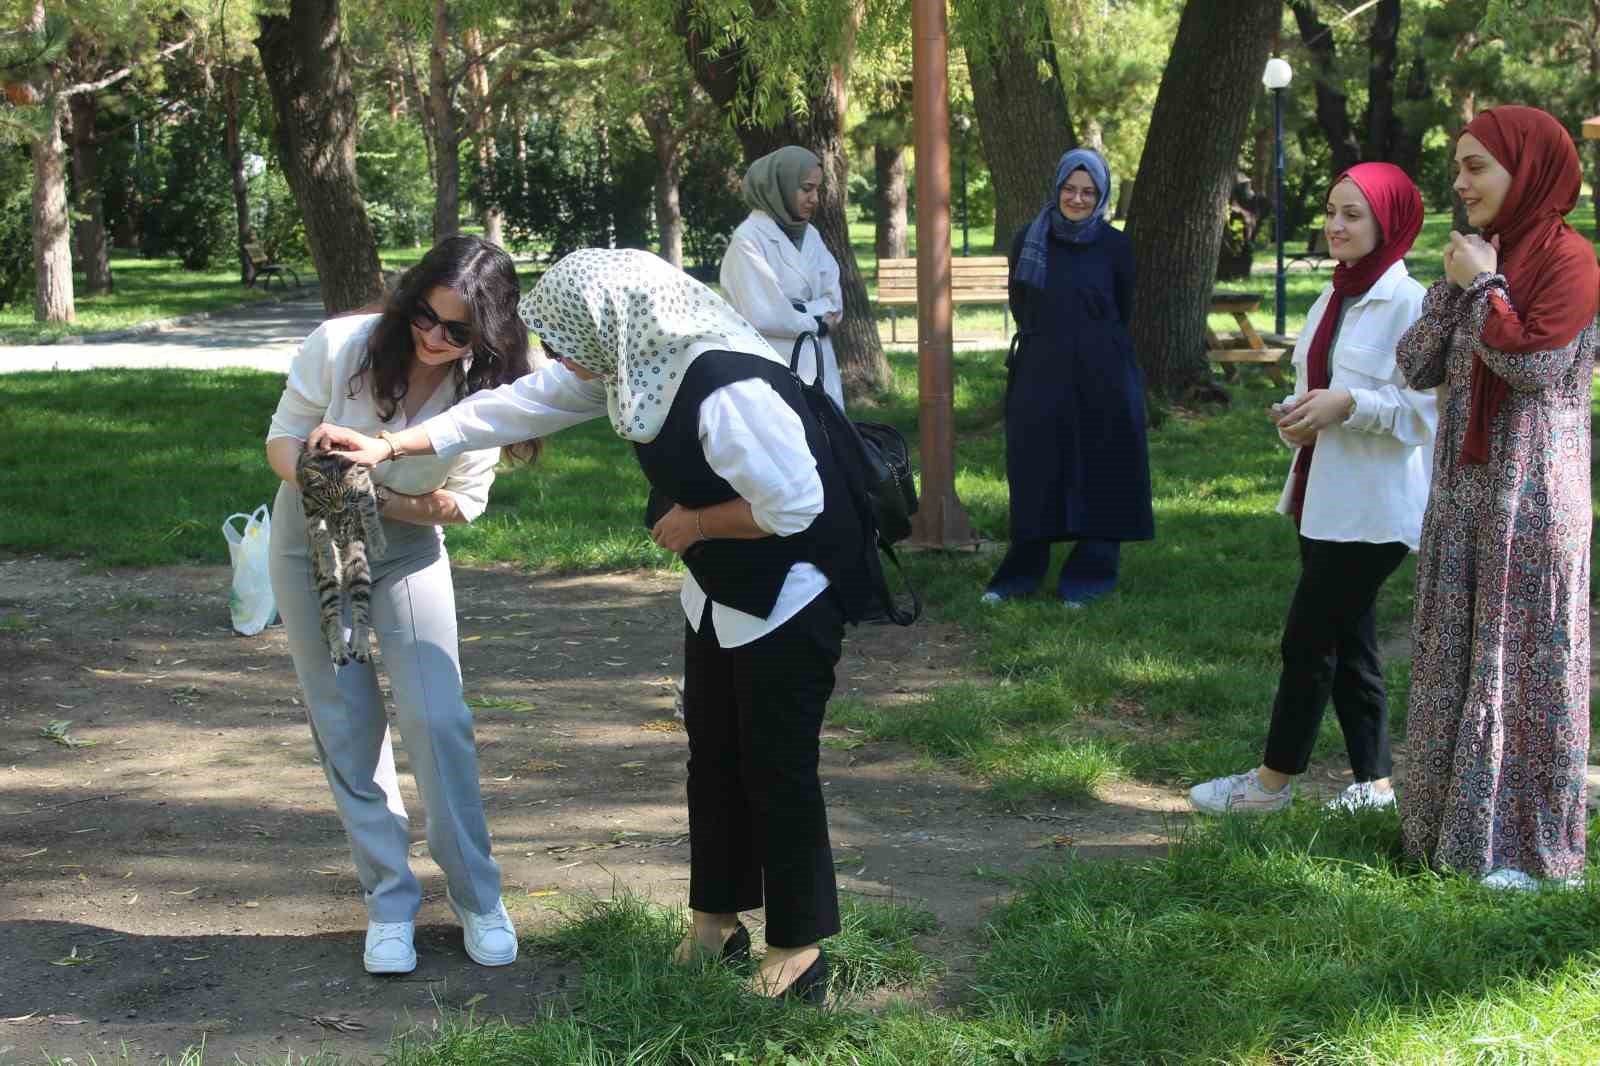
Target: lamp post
<point>963,124</point>
<point>1276,77</point>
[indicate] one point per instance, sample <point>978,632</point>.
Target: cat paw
<point>360,656</point>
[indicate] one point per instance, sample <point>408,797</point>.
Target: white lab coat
<point>764,275</point>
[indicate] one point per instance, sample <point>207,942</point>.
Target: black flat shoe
<point>736,948</point>
<point>810,987</point>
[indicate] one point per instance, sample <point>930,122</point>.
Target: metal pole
<point>1277,137</point>
<point>940,520</point>
<point>963,191</point>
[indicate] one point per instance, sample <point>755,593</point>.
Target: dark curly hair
<point>483,275</point>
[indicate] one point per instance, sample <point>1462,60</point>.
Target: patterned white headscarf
<point>638,322</point>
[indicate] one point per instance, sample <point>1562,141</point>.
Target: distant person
<point>1077,460</point>
<point>449,330</point>
<point>777,273</point>
<point>1356,490</point>
<point>1498,733</point>
<point>772,546</point>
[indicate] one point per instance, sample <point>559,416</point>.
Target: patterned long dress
<point>1498,735</point>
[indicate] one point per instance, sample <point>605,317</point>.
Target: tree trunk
<point>241,193</point>
<point>1212,78</point>
<point>1333,112</point>
<point>665,140</point>
<point>890,163</point>
<point>94,255</point>
<point>315,109</point>
<point>728,80</point>
<point>52,250</point>
<point>483,146</point>
<point>1023,121</point>
<point>1383,126</point>
<point>446,136</point>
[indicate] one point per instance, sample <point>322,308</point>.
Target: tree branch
<point>112,79</point>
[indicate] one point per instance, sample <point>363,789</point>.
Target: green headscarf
<point>773,180</point>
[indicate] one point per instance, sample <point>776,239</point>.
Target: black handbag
<point>876,465</point>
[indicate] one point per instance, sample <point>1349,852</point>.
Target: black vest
<point>748,575</point>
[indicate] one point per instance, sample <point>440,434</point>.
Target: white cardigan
<point>1370,474</point>
<point>764,275</point>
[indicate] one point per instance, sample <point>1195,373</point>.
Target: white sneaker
<point>1361,796</point>
<point>1241,794</point>
<point>389,947</point>
<point>490,938</point>
<point>1507,878</point>
<point>991,599</point>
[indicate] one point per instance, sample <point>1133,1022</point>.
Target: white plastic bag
<point>250,601</point>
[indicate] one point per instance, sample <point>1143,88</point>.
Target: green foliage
<point>392,167</point>
<point>194,214</point>
<point>709,196</point>
<point>275,217</point>
<point>16,229</point>
<point>574,188</point>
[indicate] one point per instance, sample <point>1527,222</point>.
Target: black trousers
<point>1330,648</point>
<point>758,826</point>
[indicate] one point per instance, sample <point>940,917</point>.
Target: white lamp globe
<point>1278,73</point>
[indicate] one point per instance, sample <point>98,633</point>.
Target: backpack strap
<point>898,615</point>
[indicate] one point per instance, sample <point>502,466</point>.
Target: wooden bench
<point>1245,346</point>
<point>263,269</point>
<point>979,279</point>
<point>1316,253</point>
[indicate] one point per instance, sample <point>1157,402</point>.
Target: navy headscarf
<point>1033,260</point>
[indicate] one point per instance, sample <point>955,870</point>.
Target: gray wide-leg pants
<point>414,621</point>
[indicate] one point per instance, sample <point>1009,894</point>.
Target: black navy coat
<point>1076,453</point>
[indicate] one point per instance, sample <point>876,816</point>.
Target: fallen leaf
<point>474,1000</point>
<point>73,958</point>
<point>543,892</point>
<point>630,766</point>
<point>662,725</point>
<point>251,904</point>
<point>185,892</point>
<point>466,640</point>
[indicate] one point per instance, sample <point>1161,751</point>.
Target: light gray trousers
<point>414,621</point>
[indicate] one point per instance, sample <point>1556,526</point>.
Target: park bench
<point>979,279</point>
<point>1316,253</point>
<point>1246,346</point>
<point>263,269</point>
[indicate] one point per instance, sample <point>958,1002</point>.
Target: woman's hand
<point>1468,256</point>
<point>1314,412</point>
<point>362,449</point>
<point>677,530</point>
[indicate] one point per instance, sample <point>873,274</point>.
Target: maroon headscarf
<point>1549,267</point>
<point>1397,206</point>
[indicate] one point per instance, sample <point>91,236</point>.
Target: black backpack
<point>876,466</point>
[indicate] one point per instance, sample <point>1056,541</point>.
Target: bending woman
<point>1077,460</point>
<point>1357,486</point>
<point>450,329</point>
<point>777,273</point>
<point>1498,734</point>
<point>774,553</point>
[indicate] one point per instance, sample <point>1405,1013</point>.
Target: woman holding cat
<point>449,329</point>
<point>773,549</point>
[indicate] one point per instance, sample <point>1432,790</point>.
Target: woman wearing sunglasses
<point>450,329</point>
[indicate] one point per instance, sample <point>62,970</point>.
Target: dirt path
<point>182,877</point>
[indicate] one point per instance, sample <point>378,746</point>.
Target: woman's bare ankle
<point>1271,779</point>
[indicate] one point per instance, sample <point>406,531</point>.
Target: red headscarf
<point>1397,206</point>
<point>1549,267</point>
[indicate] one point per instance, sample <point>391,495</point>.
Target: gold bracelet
<point>388,438</point>
<point>698,528</point>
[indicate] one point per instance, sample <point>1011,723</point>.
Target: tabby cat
<point>344,531</point>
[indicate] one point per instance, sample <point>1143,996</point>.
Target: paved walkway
<point>258,337</point>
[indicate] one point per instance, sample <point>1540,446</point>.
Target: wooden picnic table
<point>1245,346</point>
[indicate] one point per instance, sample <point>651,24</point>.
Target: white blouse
<point>751,439</point>
<point>318,390</point>
<point>1370,474</point>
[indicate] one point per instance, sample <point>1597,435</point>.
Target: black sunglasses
<point>425,318</point>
